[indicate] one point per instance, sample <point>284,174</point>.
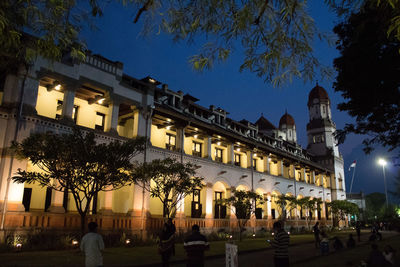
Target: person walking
<point>195,245</point>
<point>167,243</point>
<point>316,234</point>
<point>92,246</point>
<point>358,230</point>
<point>281,245</point>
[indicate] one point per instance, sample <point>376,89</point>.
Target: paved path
<point>298,253</point>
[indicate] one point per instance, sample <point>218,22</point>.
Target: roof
<point>264,124</point>
<point>286,119</point>
<point>317,92</point>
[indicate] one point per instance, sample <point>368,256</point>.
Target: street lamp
<point>383,163</point>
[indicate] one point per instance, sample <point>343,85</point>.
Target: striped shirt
<point>281,244</point>
<point>195,245</point>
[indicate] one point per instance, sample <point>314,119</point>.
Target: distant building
<point>98,96</point>
<point>359,200</point>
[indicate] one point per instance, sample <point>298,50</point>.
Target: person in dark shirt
<point>316,234</point>
<point>351,243</point>
<point>337,244</point>
<point>376,258</point>
<point>195,245</point>
<point>281,246</point>
<point>167,242</point>
<point>358,231</point>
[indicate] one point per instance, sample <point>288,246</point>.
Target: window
<point>47,202</point>
<point>170,143</point>
<point>237,159</point>
<point>26,198</point>
<point>196,149</point>
<point>99,122</point>
<point>218,154</point>
<point>219,208</point>
<point>196,205</point>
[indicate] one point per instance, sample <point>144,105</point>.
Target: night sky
<point>243,95</point>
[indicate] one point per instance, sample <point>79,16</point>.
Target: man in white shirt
<point>92,245</point>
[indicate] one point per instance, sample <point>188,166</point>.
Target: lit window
<point>99,122</point>
<point>196,149</point>
<point>218,154</point>
<point>170,143</point>
<point>237,159</point>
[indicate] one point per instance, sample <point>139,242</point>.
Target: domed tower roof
<point>319,93</point>
<point>286,119</point>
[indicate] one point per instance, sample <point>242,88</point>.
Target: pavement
<point>299,253</point>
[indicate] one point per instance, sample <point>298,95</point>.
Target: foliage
<point>368,74</point>
<point>244,203</point>
<point>75,162</point>
<point>309,204</point>
<point>48,28</point>
<point>286,203</point>
<point>341,208</point>
<point>168,180</point>
<point>276,36</point>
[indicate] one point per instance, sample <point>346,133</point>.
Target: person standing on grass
<point>195,245</point>
<point>92,246</point>
<point>281,245</point>
<point>316,234</point>
<point>358,230</point>
<point>166,244</point>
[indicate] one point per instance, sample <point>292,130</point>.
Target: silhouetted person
<point>358,230</point>
<point>324,244</point>
<point>195,245</point>
<point>351,243</point>
<point>281,245</point>
<point>167,241</point>
<point>337,243</point>
<point>376,258</point>
<point>92,246</point>
<point>316,234</point>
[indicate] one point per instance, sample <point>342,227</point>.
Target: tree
<point>375,206</point>
<point>168,180</point>
<point>77,164</point>
<point>341,208</point>
<point>244,204</point>
<point>286,204</point>
<point>309,205</point>
<point>48,28</point>
<point>369,74</point>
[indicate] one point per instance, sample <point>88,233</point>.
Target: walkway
<point>298,253</point>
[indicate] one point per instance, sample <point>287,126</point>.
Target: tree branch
<point>145,7</point>
<point>257,20</point>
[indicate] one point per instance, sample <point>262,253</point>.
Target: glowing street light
<point>383,163</point>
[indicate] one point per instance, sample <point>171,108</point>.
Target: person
<point>358,231</point>
<point>351,243</point>
<point>337,244</point>
<point>195,245</point>
<point>92,246</point>
<point>167,242</point>
<point>376,258</point>
<point>324,244</point>
<point>171,229</point>
<point>316,234</point>
<point>281,245</point>
<point>388,253</point>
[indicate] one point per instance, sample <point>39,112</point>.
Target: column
<point>56,205</point>
<point>141,201</point>
<point>304,175</point>
<point>231,154</point>
<point>142,122</point>
<point>180,208</point>
<point>30,95</point>
<point>312,177</point>
<point>280,167</point>
<point>249,156</point>
<point>207,147</point>
<point>112,117</point>
<point>68,103</point>
<point>180,139</point>
<point>105,206</point>
<point>209,200</point>
<point>266,164</point>
<point>14,191</point>
<point>269,207</point>
<point>293,171</point>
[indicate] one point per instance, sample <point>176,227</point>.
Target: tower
<point>321,140</point>
<point>287,127</point>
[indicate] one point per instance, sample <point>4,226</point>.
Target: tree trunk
<point>83,223</point>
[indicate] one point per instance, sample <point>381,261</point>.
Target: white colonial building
<point>98,96</point>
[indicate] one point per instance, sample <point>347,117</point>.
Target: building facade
<point>234,155</point>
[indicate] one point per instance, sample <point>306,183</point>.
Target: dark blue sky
<point>243,95</point>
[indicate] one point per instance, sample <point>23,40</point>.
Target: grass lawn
<point>123,256</point>
<point>353,256</point>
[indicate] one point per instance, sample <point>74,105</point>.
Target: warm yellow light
<point>19,245</point>
<point>219,137</point>
<point>168,127</point>
<point>219,143</point>
<point>152,80</point>
<point>169,120</point>
<point>128,241</point>
<point>57,87</point>
<point>101,100</point>
<point>382,162</point>
<point>75,242</point>
<point>255,155</point>
<point>195,136</point>
<point>238,149</point>
<point>196,129</point>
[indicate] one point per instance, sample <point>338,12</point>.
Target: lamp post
<point>383,163</point>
